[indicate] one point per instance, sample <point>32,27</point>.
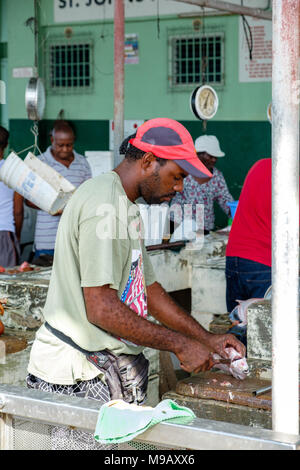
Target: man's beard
<point>149,187</point>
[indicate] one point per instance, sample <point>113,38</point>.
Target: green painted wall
<point>240,123</point>
<point>146,84</point>
<point>244,142</point>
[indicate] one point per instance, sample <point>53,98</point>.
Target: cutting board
<point>13,344</point>
<point>223,387</point>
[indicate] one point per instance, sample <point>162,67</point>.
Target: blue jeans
<point>245,279</point>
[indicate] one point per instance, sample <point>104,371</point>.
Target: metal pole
<point>285,216</point>
<point>230,7</point>
<point>118,78</point>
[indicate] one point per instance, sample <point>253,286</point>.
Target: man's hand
<point>58,213</point>
<point>219,342</point>
<point>194,356</point>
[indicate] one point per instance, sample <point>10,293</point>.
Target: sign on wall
<point>259,69</point>
<point>68,11</point>
<point>131,49</point>
<point>24,72</point>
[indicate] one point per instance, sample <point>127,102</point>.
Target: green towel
<point>119,421</point>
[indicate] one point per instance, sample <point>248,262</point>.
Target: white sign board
<point>100,161</point>
<point>68,11</point>
<point>259,69</point>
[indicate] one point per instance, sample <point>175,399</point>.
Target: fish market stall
<point>214,395</point>
<point>187,268</point>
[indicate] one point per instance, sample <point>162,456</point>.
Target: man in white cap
<point>208,151</point>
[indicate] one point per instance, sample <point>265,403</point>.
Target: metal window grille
<point>70,66</point>
<point>197,59</point>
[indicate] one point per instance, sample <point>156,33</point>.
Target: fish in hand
<point>234,364</point>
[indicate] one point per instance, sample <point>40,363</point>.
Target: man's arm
<point>18,214</point>
<point>30,204</point>
<point>33,206</point>
<point>105,310</point>
<point>167,312</point>
<point>222,195</point>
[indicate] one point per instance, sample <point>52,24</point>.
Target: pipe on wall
<point>231,7</point>
<point>118,78</point>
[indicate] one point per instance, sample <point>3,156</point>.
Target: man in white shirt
<point>11,215</point>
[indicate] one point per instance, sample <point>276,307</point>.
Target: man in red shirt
<point>249,254</point>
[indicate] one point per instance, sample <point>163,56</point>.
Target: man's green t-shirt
<point>98,243</point>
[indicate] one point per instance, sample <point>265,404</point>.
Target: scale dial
<point>35,99</point>
<point>204,102</point>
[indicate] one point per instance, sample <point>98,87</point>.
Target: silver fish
<point>236,365</point>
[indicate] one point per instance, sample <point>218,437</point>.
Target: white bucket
<point>47,173</point>
<point>16,174</point>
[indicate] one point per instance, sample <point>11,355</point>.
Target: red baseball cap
<point>169,139</point>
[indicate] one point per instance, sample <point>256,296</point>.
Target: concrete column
<point>285,216</point>
<point>118,78</point>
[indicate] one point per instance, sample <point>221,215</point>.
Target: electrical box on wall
<point>130,127</point>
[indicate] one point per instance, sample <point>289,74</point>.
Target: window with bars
<point>70,66</point>
<point>197,59</point>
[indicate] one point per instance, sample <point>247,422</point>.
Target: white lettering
<point>106,227</point>
<point>134,227</point>
<point>116,460</point>
<point>91,10</point>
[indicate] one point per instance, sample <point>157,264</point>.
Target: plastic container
<point>233,206</point>
<point>51,176</point>
<point>19,176</point>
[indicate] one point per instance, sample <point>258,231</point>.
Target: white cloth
<point>63,364</point>
<point>6,207</point>
<point>46,224</point>
<point>119,421</point>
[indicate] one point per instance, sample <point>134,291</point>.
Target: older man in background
<point>196,192</point>
<point>71,165</point>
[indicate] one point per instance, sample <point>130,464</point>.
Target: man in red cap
<point>103,284</point>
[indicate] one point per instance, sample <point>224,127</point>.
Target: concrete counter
<point>201,269</point>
